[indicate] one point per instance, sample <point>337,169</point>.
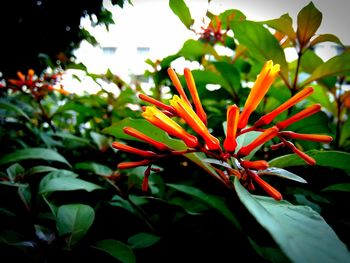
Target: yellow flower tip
<point>160,120</point>
<point>192,119</point>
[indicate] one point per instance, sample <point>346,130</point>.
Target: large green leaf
<point>155,133</point>
<point>309,19</point>
<point>230,15</point>
<point>336,66</point>
<point>261,44</point>
<point>195,50</point>
<point>301,233</point>
<point>143,240</point>
<point>180,9</point>
<point>116,249</point>
<point>325,38</point>
<point>282,173</point>
<point>96,168</point>
<point>40,169</point>
<point>67,184</point>
<point>33,153</point>
<point>74,220</point>
<point>11,107</point>
<point>283,24</point>
<point>204,77</point>
<point>333,159</point>
<point>231,74</point>
<point>213,201</point>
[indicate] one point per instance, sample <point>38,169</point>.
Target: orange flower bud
<point>255,165</point>
<point>308,159</point>
<point>178,85</point>
<point>159,119</point>
<point>128,165</point>
<point>139,135</point>
<point>262,84</point>
<point>264,185</point>
<point>192,119</point>
<point>267,118</point>
<point>196,101</point>
<point>230,143</point>
<point>299,116</point>
<point>309,137</point>
<point>129,149</point>
<point>267,135</point>
<point>156,103</point>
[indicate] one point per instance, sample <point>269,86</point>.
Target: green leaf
<point>157,134</point>
<point>245,139</point>
<point>309,19</point>
<point>282,173</point>
<point>261,44</point>
<point>33,153</point>
<point>203,77</point>
<point>309,61</point>
<point>143,240</point>
<point>336,66</point>
<point>230,15</point>
<point>40,169</point>
<point>195,50</point>
<point>231,74</point>
<point>14,170</point>
<point>332,159</point>
<point>96,168</point>
<point>325,38</point>
<point>181,10</point>
<point>11,107</point>
<point>119,201</point>
<point>283,24</point>
<point>213,201</point>
<point>116,249</point>
<point>100,140</point>
<point>67,184</point>
<point>300,232</point>
<point>338,187</point>
<point>75,220</point>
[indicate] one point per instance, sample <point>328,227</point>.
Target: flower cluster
<point>213,33</point>
<point>38,87</point>
<point>161,115</point>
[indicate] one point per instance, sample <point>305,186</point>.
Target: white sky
<point>151,23</point>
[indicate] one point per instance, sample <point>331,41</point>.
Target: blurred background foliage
<point>63,198</point>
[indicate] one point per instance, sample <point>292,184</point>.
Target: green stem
<point>46,117</point>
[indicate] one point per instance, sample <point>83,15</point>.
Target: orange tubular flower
<point>267,135</point>
<point>159,119</point>
<point>267,118</point>
<point>139,135</point>
<point>178,85</point>
<point>299,116</point>
<point>309,137</point>
<point>230,143</point>
<point>262,84</point>
<point>129,149</point>
<point>156,103</point>
<point>192,119</point>
<point>264,185</point>
<point>194,94</point>
<point>308,159</point>
<point>255,165</point>
<point>128,165</point>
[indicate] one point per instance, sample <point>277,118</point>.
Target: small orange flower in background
<point>192,112</point>
<point>38,87</point>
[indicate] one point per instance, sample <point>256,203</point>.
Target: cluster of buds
<point>161,115</point>
<point>38,87</point>
<point>213,32</point>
